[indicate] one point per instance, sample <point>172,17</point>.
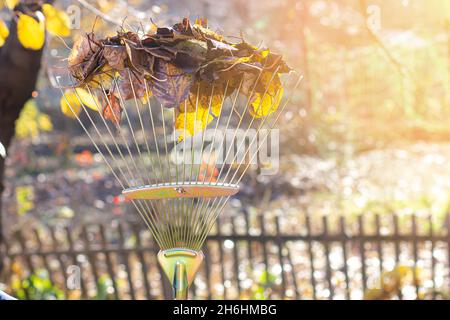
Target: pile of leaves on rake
<point>188,67</point>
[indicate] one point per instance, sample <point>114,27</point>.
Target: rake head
<point>177,142</point>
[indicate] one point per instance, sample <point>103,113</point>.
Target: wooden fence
<point>247,257</point>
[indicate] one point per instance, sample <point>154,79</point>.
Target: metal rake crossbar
<point>179,180</point>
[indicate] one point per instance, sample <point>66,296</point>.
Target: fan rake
<point>179,180</point>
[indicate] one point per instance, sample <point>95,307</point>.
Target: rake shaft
<point>180,266</point>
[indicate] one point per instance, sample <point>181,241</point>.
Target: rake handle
<point>180,282</point>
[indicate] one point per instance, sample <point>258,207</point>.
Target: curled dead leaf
<point>186,66</point>
<point>172,85</point>
<point>115,56</point>
<point>112,109</point>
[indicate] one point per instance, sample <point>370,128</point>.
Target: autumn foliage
<point>188,67</point>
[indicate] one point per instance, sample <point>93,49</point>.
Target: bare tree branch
<point>99,13</point>
<point>399,66</point>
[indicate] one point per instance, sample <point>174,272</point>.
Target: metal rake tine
<point>273,124</point>
<point>153,127</point>
<point>251,122</point>
<point>211,215</point>
<point>140,211</point>
<point>192,217</point>
<point>145,203</point>
<point>204,208</point>
<point>141,122</point>
<point>236,130</point>
<point>112,136</point>
<point>133,135</point>
<point>240,120</point>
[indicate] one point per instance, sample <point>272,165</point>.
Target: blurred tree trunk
<point>19,70</point>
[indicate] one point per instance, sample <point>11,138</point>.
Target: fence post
<point>247,226</point>
<point>264,247</point>
<point>236,257</point>
<point>362,252</point>
<point>280,257</point>
<point>415,255</point>
<point>249,241</point>
<point>58,257</point>
<point>221,259</point>
<point>108,261</point>
<point>311,255</point>
<point>73,254</point>
<point>433,262</point>
<point>90,255</point>
<point>125,256</point>
<point>344,255</point>
<point>397,248</point>
<point>139,251</point>
<point>293,274</point>
<point>379,242</point>
<point>207,271</point>
<point>44,257</point>
<point>326,246</point>
<point>24,249</point>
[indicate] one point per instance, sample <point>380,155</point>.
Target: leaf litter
<point>187,67</point>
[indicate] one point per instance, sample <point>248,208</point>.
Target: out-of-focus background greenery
<point>367,132</point>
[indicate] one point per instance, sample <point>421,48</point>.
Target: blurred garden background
<point>359,208</point>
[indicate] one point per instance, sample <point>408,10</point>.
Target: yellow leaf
<point>45,123</point>
<point>196,121</point>
<point>207,33</point>
<point>24,199</point>
<point>72,100</point>
<point>31,33</point>
<point>31,121</point>
<point>30,109</point>
<point>374,294</point>
<point>4,32</point>
<point>202,21</point>
<point>26,123</point>
<point>208,103</point>
<point>204,99</point>
<point>87,99</point>
<point>403,271</point>
<point>21,129</point>
<point>203,103</point>
<point>146,96</point>
<point>57,22</point>
<point>216,104</point>
<point>103,78</point>
<point>265,104</point>
<point>267,101</point>
<point>260,55</point>
<point>11,3</point>
<point>264,53</point>
<point>70,104</point>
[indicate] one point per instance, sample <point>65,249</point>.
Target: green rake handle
<point>180,282</point>
<point>180,266</point>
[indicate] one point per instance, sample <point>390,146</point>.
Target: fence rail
<point>249,258</point>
